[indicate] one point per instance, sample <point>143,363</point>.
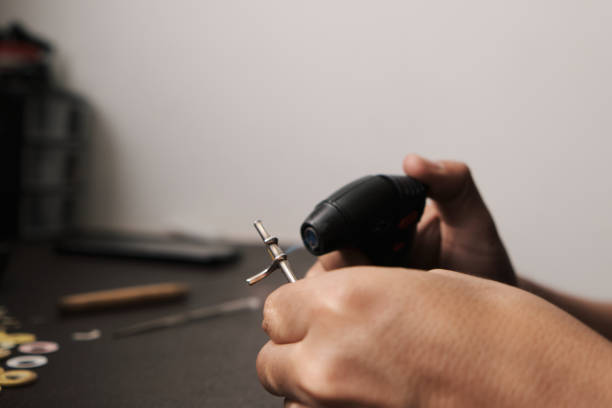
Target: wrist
<point>536,355</point>
<point>553,359</point>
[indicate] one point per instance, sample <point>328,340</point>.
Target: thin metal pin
<point>232,306</point>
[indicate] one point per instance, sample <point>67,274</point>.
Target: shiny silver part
<point>271,240</point>
<point>22,362</point>
<point>87,335</point>
<point>279,258</point>
<point>256,278</point>
<point>233,306</point>
<point>273,266</point>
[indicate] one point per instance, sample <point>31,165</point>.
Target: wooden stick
<point>122,297</point>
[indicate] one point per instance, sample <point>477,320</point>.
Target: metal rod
<point>279,258</point>
<point>249,303</point>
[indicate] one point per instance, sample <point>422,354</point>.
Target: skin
<point>369,336</point>
<point>391,337</point>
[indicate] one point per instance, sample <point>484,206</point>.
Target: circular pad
<point>39,347</point>
<point>4,353</point>
<point>17,338</point>
<point>26,361</point>
<point>15,378</point>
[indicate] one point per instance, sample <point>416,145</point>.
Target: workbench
<point>209,363</point>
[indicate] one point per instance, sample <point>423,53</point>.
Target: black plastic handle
<point>375,214</point>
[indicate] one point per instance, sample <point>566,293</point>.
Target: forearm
<point>547,359</point>
<point>597,315</point>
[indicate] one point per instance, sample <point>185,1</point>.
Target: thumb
<point>451,186</point>
<point>336,260</point>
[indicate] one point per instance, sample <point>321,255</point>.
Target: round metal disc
<point>39,347</point>
<point>17,338</point>
<point>15,378</point>
<point>4,353</point>
<point>26,361</point>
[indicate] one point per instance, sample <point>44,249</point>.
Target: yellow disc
<point>4,353</point>
<point>17,338</point>
<point>15,378</point>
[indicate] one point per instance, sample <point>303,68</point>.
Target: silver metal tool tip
<point>279,258</point>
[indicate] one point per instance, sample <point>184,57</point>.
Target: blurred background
<point>203,116</point>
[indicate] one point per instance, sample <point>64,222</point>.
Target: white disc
<point>26,361</point>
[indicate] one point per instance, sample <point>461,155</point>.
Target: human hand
<point>391,337</point>
<point>456,232</point>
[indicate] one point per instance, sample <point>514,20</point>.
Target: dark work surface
<point>204,364</point>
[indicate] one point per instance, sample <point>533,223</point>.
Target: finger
<point>277,369</point>
<point>316,269</point>
<point>430,217</point>
<point>336,260</point>
<point>445,273</point>
<point>425,252</point>
<point>286,313</point>
<point>450,184</point>
<point>294,404</point>
<point>343,259</point>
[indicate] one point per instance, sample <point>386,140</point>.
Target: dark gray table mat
<point>204,364</point>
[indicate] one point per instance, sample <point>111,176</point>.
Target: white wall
<point>211,114</point>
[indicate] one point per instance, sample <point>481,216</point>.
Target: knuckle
<point>269,312</point>
<point>261,365</point>
<point>463,170</point>
<point>355,294</point>
<point>332,303</point>
<point>269,303</point>
<point>322,309</point>
<point>346,297</point>
<point>321,379</point>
